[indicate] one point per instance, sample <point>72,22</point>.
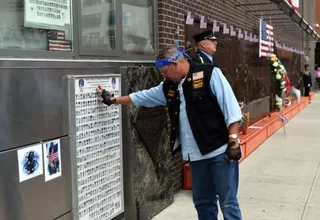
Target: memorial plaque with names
<point>96,145</point>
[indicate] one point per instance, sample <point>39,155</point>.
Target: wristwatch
<point>233,136</point>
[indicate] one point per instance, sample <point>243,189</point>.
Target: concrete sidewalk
<point>280,180</point>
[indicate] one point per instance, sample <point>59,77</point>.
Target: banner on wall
<point>294,4</point>
<point>47,14</point>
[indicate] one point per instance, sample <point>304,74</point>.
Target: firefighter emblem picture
<point>30,162</point>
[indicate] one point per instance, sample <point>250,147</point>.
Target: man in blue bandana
<point>205,117</point>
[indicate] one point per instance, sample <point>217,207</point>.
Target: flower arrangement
<point>278,75</point>
<point>245,118</point>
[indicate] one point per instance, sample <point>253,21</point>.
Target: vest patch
<point>171,93</point>
<point>196,84</point>
<point>197,80</point>
<point>198,75</point>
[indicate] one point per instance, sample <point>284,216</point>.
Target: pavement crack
<point>310,192</point>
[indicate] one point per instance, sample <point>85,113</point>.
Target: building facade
<point>317,50</point>
<point>42,41</point>
<point>309,14</point>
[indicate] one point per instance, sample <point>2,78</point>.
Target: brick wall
<point>171,16</point>
<point>177,169</point>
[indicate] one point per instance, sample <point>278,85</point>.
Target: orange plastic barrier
<point>259,132</point>
<point>311,96</point>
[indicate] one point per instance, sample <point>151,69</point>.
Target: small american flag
<point>251,38</point>
<point>284,118</point>
<point>60,45</point>
<point>198,75</point>
<point>240,34</point>
<point>203,22</point>
<point>285,47</point>
<point>190,18</point>
<point>216,26</point>
<point>246,36</point>
<point>266,47</point>
<point>53,155</point>
<point>226,28</point>
<point>233,31</point>
<point>56,35</point>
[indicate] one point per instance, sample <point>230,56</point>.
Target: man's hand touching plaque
<point>106,97</point>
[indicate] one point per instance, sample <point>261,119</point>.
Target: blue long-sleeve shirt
<point>226,100</point>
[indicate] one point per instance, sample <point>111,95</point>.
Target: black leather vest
<point>204,113</point>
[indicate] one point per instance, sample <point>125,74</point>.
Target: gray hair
<point>198,45</point>
<point>167,51</point>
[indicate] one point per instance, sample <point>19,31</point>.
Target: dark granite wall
<point>150,153</point>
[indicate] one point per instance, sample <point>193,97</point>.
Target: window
<point>36,25</point>
<point>98,28</point>
<point>138,27</point>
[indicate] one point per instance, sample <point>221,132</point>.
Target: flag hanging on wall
<point>203,22</point>
<point>266,40</point>
<point>190,18</point>
<point>251,38</point>
<point>56,35</point>
<point>240,34</point>
<point>246,35</point>
<point>233,31</point>
<point>216,26</point>
<point>60,45</point>
<point>226,29</point>
<point>266,36</point>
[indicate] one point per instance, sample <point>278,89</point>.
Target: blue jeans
<point>212,177</point>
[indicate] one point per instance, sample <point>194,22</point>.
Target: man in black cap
<point>206,44</point>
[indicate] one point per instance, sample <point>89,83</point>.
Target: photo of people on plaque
<point>113,83</point>
<point>52,160</point>
<point>81,85</point>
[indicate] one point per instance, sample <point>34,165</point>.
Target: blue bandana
<point>165,62</point>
